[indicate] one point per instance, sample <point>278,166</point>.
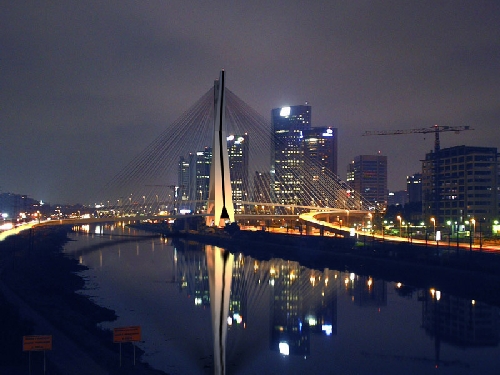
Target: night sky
<point>86,85</point>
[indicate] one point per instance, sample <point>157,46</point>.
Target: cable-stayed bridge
<point>172,175</point>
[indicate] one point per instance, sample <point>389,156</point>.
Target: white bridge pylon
<point>220,198</point>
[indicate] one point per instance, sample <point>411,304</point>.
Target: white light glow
<point>6,226</point>
<point>285,111</point>
<point>284,348</point>
<point>327,328</point>
<point>237,318</point>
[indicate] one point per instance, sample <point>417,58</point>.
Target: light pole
<point>480,236</point>
<point>408,231</point>
<point>425,231</point>
<point>451,233</point>
<point>473,237</point>
<point>400,220</point>
<point>434,223</point>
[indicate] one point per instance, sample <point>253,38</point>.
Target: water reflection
<point>284,317</point>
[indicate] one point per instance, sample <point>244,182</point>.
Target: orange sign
<point>35,343</point>
<point>127,334</point>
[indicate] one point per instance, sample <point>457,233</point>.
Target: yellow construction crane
<point>436,129</point>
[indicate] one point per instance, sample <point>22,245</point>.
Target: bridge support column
<point>308,229</point>
<point>220,199</point>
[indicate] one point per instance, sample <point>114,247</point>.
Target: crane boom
<point>436,129</point>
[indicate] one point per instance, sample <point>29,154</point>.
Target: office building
<point>184,178</point>
<point>194,175</point>
<point>414,188</point>
<point>320,147</point>
<point>201,177</point>
<point>237,149</point>
<point>287,157</point>
<point>261,187</point>
<point>397,198</point>
<point>367,175</point>
<point>460,184</point>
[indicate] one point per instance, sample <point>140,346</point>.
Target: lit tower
<point>287,154</point>
<point>220,200</point>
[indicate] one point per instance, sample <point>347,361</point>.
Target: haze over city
<point>87,86</point>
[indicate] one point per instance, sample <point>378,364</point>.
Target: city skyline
<point>86,87</point>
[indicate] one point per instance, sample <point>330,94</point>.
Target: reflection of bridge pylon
<point>220,201</point>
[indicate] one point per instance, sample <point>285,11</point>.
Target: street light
<point>451,233</point>
<point>400,220</point>
<point>434,223</point>
<point>473,237</point>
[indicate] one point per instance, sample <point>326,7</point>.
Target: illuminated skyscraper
<point>194,175</point>
<point>237,149</point>
<point>320,146</point>
<point>367,175</point>
<point>467,186</point>
<point>288,154</point>
<point>184,178</point>
<point>414,187</point>
<point>202,163</point>
<point>261,187</point>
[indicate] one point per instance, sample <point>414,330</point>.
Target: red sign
<point>127,334</point>
<point>37,343</point>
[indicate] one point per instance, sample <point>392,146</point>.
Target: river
<point>284,318</point>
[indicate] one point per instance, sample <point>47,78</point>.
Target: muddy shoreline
<point>34,268</point>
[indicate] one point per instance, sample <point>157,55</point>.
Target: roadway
<point>314,226</point>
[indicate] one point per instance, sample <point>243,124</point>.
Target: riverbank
<point>472,275</point>
<point>39,296</point>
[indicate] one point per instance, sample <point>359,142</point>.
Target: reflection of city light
<point>327,328</point>
<point>352,276</point>
<point>473,302</point>
<point>271,282</point>
<point>229,321</point>
<point>237,318</point>
<point>284,348</point>
<point>311,320</point>
<point>272,271</point>
<point>438,295</point>
<point>346,281</point>
<point>370,282</point>
<point>433,292</point>
<point>312,279</point>
<point>197,301</point>
<point>399,285</point>
<point>326,281</point>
